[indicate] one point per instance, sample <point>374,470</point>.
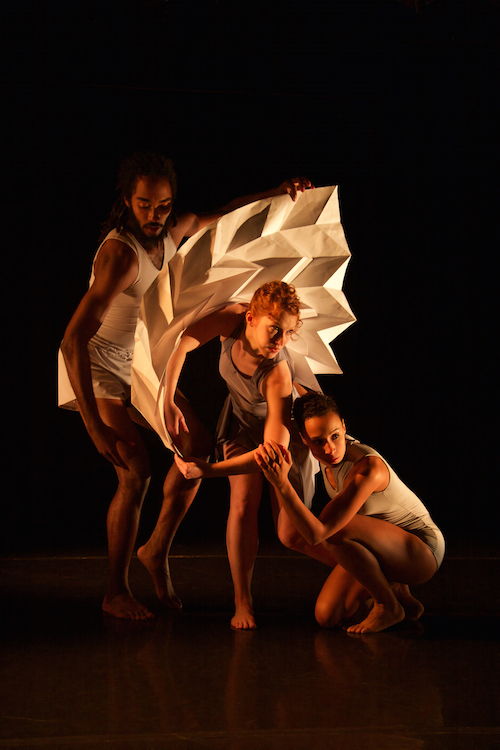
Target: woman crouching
<point>377,529</point>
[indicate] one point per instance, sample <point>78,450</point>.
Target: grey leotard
<point>397,504</point>
<point>243,416</point>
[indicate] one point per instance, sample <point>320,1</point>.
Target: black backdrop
<point>392,100</point>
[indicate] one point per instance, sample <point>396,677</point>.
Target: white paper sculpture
<point>299,242</point>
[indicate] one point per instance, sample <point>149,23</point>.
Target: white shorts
<point>111,373</point>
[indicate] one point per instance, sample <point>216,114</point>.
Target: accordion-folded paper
<point>299,242</point>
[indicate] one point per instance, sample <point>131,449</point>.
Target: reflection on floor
<point>72,678</point>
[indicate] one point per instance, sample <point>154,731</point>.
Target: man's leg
<point>178,494</point>
<point>124,512</point>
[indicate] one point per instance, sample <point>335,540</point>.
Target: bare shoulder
<point>116,265</point>
<point>238,308</point>
<point>185,225</point>
<point>219,323</point>
<point>180,229</point>
<point>114,249</point>
<point>230,317</point>
<point>278,381</point>
<point>372,468</point>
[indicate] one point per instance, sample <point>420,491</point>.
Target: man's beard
<point>146,241</point>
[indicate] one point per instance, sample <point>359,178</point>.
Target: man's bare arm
<point>115,269</point>
<point>190,223</point>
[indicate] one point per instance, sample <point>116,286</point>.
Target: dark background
<point>394,101</point>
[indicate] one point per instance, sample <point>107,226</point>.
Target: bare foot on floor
<point>380,618</point>
<point>356,617</point>
<point>244,618</point>
<point>412,607</point>
<point>125,607</point>
<point>160,573</point>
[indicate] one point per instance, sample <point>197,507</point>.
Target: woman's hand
<point>174,420</point>
<point>275,461</point>
<point>195,468</point>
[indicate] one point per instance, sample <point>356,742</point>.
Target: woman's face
<point>325,438</point>
<point>268,334</point>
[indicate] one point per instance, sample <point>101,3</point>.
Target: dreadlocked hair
<point>133,168</point>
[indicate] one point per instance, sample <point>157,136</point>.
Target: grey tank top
<point>243,416</point>
<point>248,403</point>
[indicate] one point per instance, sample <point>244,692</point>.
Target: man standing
<point>142,235</point>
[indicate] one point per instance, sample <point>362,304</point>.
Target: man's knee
<point>134,484</point>
<point>136,477</point>
<point>197,443</point>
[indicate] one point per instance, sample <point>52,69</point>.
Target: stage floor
<point>72,678</point>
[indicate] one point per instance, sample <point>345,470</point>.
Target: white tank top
<point>118,326</point>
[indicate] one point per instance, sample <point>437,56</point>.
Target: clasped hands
<point>274,460</point>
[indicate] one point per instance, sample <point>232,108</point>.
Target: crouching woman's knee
<point>325,615</point>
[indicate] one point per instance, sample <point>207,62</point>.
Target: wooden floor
<point>72,678</point>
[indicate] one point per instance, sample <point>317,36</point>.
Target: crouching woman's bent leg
<point>376,553</point>
<point>293,539</point>
<point>341,600</point>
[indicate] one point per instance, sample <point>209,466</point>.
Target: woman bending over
<point>258,371</point>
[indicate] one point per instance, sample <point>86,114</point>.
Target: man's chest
<point>156,256</point>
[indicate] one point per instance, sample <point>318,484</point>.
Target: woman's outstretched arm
<point>221,323</point>
<point>277,390</point>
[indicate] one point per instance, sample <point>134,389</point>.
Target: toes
<point>126,608</point>
<point>243,624</point>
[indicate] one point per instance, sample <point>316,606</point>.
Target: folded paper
<point>301,242</point>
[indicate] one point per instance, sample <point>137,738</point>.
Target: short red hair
<point>272,298</point>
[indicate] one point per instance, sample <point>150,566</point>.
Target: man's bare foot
<point>381,617</point>
<point>125,607</point>
<point>244,618</point>
<point>412,607</point>
<point>159,571</point>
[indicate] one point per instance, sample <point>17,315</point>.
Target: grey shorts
<point>110,367</point>
<point>434,539</point>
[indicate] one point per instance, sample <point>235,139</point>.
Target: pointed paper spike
<point>308,208</point>
<point>300,242</point>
